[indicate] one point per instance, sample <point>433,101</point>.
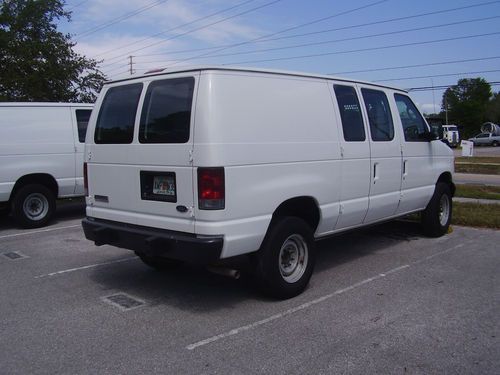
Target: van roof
<point>45,104</point>
<point>166,71</point>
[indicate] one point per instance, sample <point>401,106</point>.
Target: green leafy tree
<point>467,103</point>
<point>37,62</point>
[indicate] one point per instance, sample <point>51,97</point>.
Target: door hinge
<point>342,151</point>
<point>191,156</point>
<point>341,209</point>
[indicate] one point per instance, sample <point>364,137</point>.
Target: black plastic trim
<point>153,241</point>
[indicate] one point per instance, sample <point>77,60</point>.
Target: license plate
<point>164,185</point>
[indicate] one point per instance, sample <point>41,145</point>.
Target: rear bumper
<point>154,242</point>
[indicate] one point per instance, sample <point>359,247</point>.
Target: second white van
<point>41,157</point>
<point>209,163</point>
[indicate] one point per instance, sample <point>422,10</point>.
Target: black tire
<point>33,206</point>
<point>159,263</point>
<point>287,237</point>
<point>436,217</point>
<point>494,144</point>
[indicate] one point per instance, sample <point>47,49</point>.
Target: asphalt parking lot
<point>382,300</point>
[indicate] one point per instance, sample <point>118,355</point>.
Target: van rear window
<point>82,121</point>
<point>115,123</point>
<point>166,112</point>
<point>350,113</point>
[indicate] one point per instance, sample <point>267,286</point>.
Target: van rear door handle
<point>405,170</point>
<point>375,172</point>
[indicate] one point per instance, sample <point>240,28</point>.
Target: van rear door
<point>139,158</point>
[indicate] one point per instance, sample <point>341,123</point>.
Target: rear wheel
<point>495,143</point>
<point>158,263</point>
<point>286,259</point>
<point>436,217</point>
<point>33,206</point>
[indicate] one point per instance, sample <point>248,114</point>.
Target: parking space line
<point>314,302</point>
<point>85,267</point>
<point>39,231</point>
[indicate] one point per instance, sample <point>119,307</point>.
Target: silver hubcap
<point>36,206</point>
<point>293,258</point>
<point>444,209</point>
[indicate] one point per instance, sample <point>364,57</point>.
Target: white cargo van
<point>41,157</point>
<point>212,163</point>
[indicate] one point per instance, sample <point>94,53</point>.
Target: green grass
<point>478,164</point>
<point>478,168</point>
<point>476,215</point>
<point>478,192</point>
<point>478,159</point>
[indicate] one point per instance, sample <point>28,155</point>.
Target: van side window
<point>82,121</point>
<point>115,123</point>
<point>414,125</point>
<point>350,113</point>
<point>166,112</point>
<point>379,115</point>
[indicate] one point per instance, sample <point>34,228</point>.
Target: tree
<point>467,104</point>
<point>37,62</point>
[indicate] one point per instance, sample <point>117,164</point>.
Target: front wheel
<point>436,217</point>
<point>494,144</point>
<point>286,258</point>
<point>33,206</point>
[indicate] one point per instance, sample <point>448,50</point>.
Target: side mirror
<point>428,136</point>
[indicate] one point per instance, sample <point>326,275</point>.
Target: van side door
<point>80,118</point>
<point>355,154</point>
<point>385,153</point>
<point>417,183</point>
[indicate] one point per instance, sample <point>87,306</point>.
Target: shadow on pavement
<point>196,290</point>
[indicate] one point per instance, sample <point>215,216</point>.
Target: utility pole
<point>446,107</point>
<point>131,65</point>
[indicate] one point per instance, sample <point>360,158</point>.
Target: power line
<point>119,19</point>
<point>78,4</point>
<point>203,27</point>
<point>443,87</point>
<point>364,49</point>
<point>330,30</point>
<point>416,65</point>
<point>437,75</point>
<point>288,29</point>
<point>178,27</point>
<point>335,40</point>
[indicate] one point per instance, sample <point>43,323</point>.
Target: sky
<point>402,43</point>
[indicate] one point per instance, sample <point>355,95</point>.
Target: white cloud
<point>134,36</point>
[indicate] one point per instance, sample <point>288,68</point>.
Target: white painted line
<point>85,267</point>
<point>314,302</point>
<point>39,231</point>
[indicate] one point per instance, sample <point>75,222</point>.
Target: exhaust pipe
<point>233,274</point>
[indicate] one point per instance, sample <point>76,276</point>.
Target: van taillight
<point>211,189</point>
<point>85,180</point>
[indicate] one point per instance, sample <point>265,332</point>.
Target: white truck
<point>41,157</point>
<point>209,164</point>
<point>451,136</point>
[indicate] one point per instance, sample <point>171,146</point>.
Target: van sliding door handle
<point>375,172</point>
<point>405,168</point>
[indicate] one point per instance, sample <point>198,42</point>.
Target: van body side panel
<point>123,177</point>
<point>355,162</point>
<point>418,178</point>
<point>276,137</point>
<point>385,173</point>
<point>36,139</point>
